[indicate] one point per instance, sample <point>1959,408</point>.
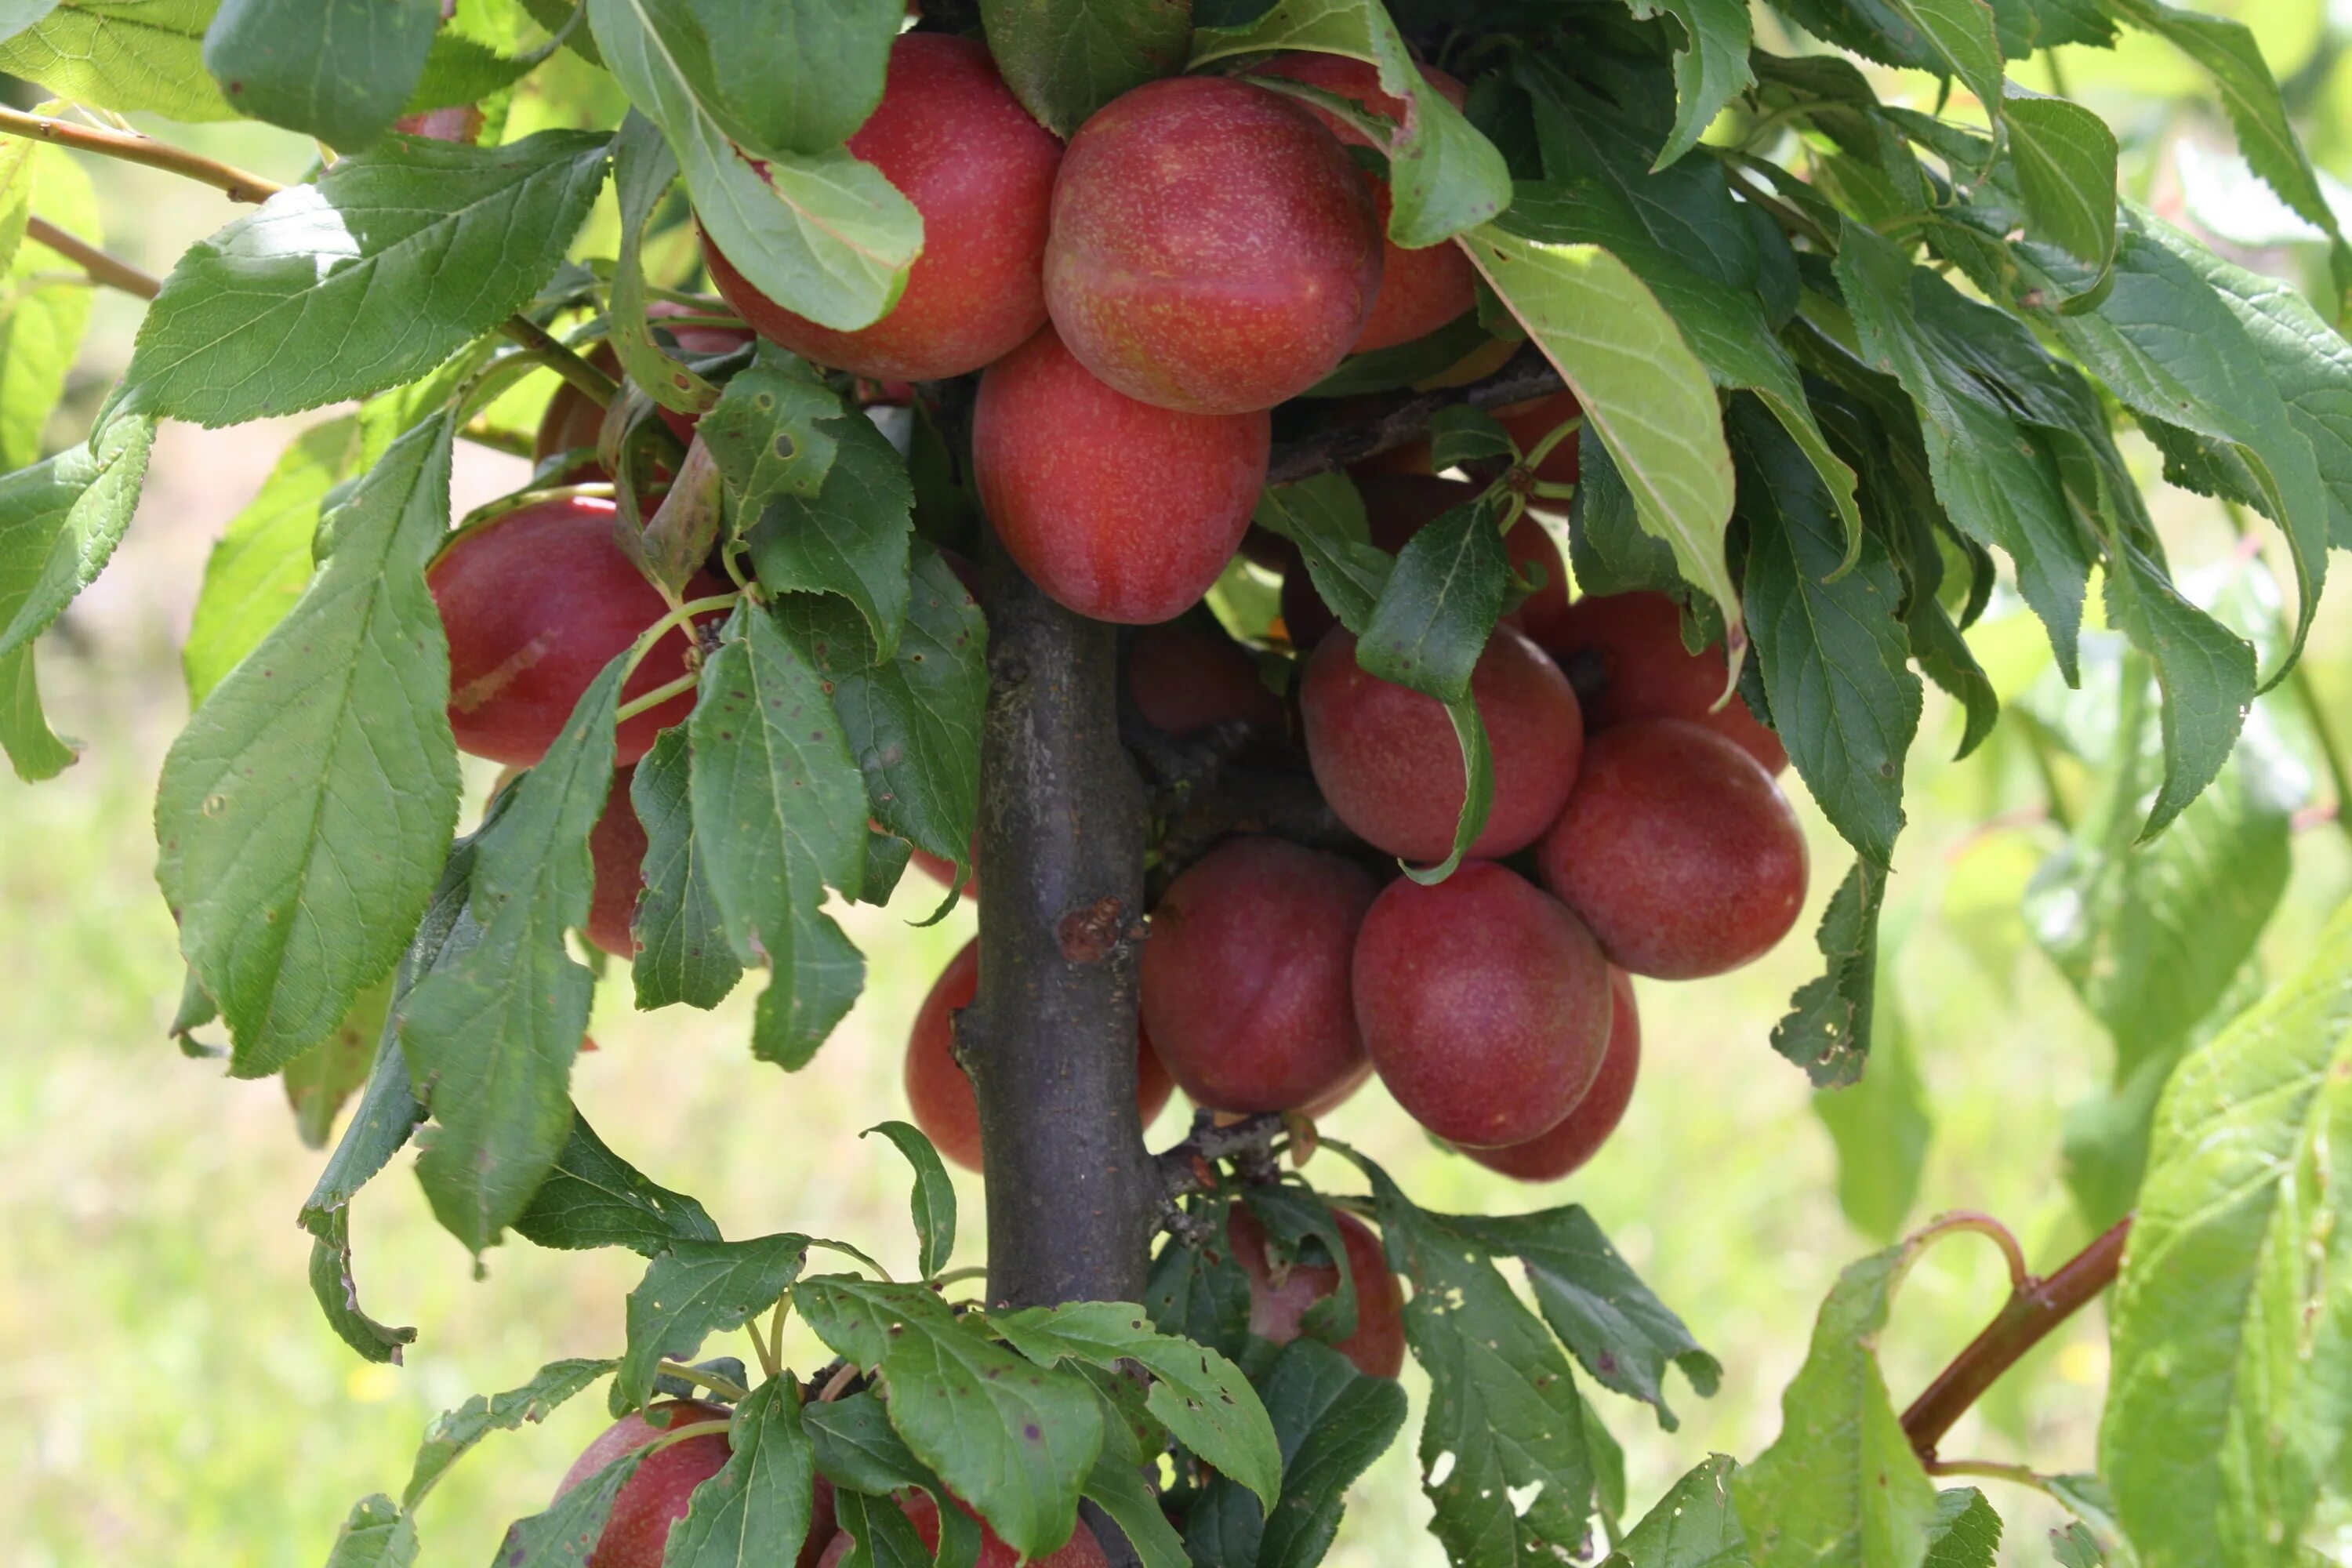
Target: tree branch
<point>1527,375</point>
<point>2032,1311</point>
<point>110,270</point>
<point>1191,1166</point>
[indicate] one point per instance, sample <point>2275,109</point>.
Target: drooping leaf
<point>567,1531</point>
<point>365,278</point>
<point>1710,64</point>
<point>682,952</point>
<point>338,1293</point>
<point>1967,1531</point>
<point>1116,1486</point>
<point>644,169</point>
<point>933,1201</point>
<point>693,1289</point>
<point>2064,160</point>
<point>1692,1526</point>
<point>319,1079</point>
<point>593,1197</point>
<point>1444,176</point>
<point>1827,1029</point>
<point>454,1432</point>
<point>1015,1440</point>
<point>123,54</point>
<point>771,433</point>
<point>1437,609</point>
<point>306,810</point>
<point>757,1510</point>
<point>1324,517</point>
<point>848,539</point>
<point>2230,1318</point>
<point>819,232</point>
<point>376,1535</point>
<point>490,1036</point>
<point>1200,1293</point>
<point>1066,58</point>
<point>339,70</point>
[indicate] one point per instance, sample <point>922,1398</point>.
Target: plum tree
<point>1119,510</point>
<point>1422,289</point>
<point>940,1093</point>
<point>1185,676</point>
<point>1484,1001</point>
<point>1548,1156</point>
<point>1244,980</point>
<point>960,146</point>
<point>616,847</point>
<point>1397,507</point>
<point>1678,849</point>
<point>1081,1551</point>
<point>1387,760</point>
<point>1213,248</point>
<point>1624,655</point>
<point>657,1496</point>
<point>572,421</point>
<point>535,602</point>
<point>1279,1297</point>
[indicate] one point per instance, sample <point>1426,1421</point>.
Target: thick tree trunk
<point>1050,1038</point>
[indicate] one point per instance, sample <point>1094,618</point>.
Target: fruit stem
<point>656,698</point>
<point>709,1380</point>
<point>1959,1220</point>
<point>110,270</point>
<point>676,1435</point>
<point>2034,1308</point>
<point>653,635</point>
<point>543,346</point>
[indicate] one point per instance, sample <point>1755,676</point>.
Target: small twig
<point>595,384</point>
<point>841,1379</point>
<point>2021,1277</point>
<point>2028,1318</point>
<point>709,1380</point>
<point>1191,1166</point>
<point>133,148</point>
<point>1527,375</point>
<point>110,270</point>
<point>1989,1469</point>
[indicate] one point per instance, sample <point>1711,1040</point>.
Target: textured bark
<point>1050,1038</point>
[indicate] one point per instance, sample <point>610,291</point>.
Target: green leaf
<point>913,721</point>
<point>257,571</point>
<point>1503,1400</point>
<point>1438,608</point>
<point>376,1535</point>
<point>1324,517</point>
<point>770,431</point>
<point>568,1530</point>
<point>643,172</point>
<point>339,70</point>
<point>368,277</point>
<point>819,232</point>
<point>682,955</point>
<point>61,521</point>
<point>1066,58</point>
<point>758,1508</point>
<point>1200,1293</point>
<point>1446,177</point>
<point>2229,1317</point>
<point>1880,1127</point>
<point>1622,1334</point>
<point>1015,1440</point>
<point>1202,1398</point>
<point>1116,1486</point>
<point>490,1038</point>
<point>2228,52</point>
<point>303,821</point>
<point>454,1432</point>
<point>880,1533</point>
<point>1967,1531</point>
<point>779,812</point>
<point>794,78</point>
<point>694,1290</point>
<point>1606,547</point>
<point>2063,157</point>
<point>593,1197</point>
<point>123,54</point>
<point>338,1293</point>
<point>1962,35</point>
<point>319,1079</point>
<point>1828,1029</point>
<point>1834,653</point>
<point>463,70</point>
<point>34,750</point>
<point>933,1201</point>
<point>47,308</point>
<point>851,537</point>
<point>1692,1526</point>
<point>1710,64</point>
<point>1643,392</point>
<point>1840,1485</point>
<point>857,1448</point>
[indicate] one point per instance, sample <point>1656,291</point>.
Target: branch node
<point>1094,933</point>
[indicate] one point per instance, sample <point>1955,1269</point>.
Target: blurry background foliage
<point>168,1394</point>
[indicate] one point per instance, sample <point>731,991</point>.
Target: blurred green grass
<point>169,1393</point>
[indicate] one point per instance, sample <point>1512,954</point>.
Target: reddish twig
<point>2034,1309</point>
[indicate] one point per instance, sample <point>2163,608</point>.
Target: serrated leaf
<point>643,172</point>
<point>336,69</point>
<point>1828,1027</point>
<point>682,952</point>
<point>1622,1334</point>
<point>1962,34</point>
<point>796,77</point>
<point>256,571</point>
<point>1200,1293</point>
<point>1644,394</point>
<point>2229,1319</point>
<point>568,1530</point>
<point>770,432</point>
<point>758,1508</point>
<point>693,1289</point>
<point>367,277</point>
<point>828,971</point>
<point>1438,608</point>
<point>303,820</point>
<point>1833,649</point>
<point>1444,176</point>
<point>1710,64</point>
<point>819,232</point>
<point>1967,1531</point>
<point>460,70</point>
<point>1324,517</point>
<point>338,1294</point>
<point>1692,1526</point>
<point>851,537</point>
<point>376,1535</point>
<point>858,1449</point>
<point>1503,1400</point>
<point>1015,1440</point>
<point>61,521</point>
<point>123,54</point>
<point>490,1036</point>
<point>2063,157</point>
<point>454,1432</point>
<point>1840,1485</point>
<point>1066,58</point>
<point>933,1201</point>
<point>593,1197</point>
<point>46,308</point>
<point>1202,1398</point>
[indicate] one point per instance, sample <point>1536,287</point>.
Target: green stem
<point>656,698</point>
<point>660,628</point>
<point>709,1380</point>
